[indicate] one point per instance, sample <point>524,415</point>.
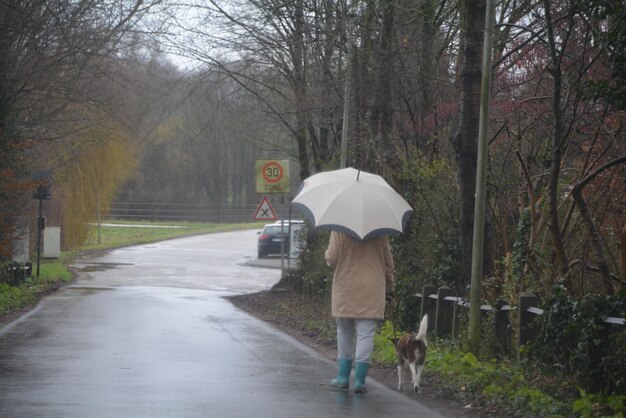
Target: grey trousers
<point>360,348</point>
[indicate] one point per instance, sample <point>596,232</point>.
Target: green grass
<point>498,383</point>
<point>501,387</point>
<point>118,236</point>
<point>322,328</point>
<point>384,351</point>
<point>16,299</point>
<point>53,270</point>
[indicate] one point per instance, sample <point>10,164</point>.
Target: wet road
<point>146,332</point>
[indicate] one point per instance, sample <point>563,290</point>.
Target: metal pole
<point>99,220</point>
<point>282,248</point>
<point>289,235</point>
<point>481,186</point>
<point>282,243</point>
<point>39,225</point>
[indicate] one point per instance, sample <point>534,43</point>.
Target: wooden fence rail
<point>218,213</point>
<point>443,307</point>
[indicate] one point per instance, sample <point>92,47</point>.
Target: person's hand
<point>390,298</point>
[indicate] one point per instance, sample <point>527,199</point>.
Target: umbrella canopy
<point>354,202</point>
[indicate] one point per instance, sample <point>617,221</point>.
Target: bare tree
<point>51,51</point>
<point>465,139</point>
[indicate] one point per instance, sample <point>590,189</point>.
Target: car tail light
<point>264,237</point>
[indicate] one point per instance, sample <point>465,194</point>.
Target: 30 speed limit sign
<point>272,176</point>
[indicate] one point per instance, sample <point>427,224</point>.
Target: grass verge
<point>120,233</point>
<point>493,387</point>
<point>15,300</point>
<point>503,387</point>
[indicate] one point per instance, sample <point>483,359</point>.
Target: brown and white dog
<point>411,350</point>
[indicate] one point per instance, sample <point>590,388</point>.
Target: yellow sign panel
<point>272,176</point>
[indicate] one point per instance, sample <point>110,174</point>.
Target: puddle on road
<point>74,291</point>
<point>93,267</point>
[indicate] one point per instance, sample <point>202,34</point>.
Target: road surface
<point>145,332</point>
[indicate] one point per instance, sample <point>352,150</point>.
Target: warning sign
<point>265,211</point>
<point>272,176</point>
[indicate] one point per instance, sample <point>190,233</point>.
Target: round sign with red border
<point>272,172</point>
<point>272,176</point>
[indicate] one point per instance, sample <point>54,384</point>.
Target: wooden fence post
<point>526,318</point>
<point>502,326</point>
<point>444,312</point>
<point>429,305</point>
<point>417,304</point>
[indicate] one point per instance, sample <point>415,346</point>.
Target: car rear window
<point>275,229</point>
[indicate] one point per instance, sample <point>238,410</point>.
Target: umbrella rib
<point>330,197</point>
<point>389,206</point>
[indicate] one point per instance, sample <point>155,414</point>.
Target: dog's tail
<point>421,334</point>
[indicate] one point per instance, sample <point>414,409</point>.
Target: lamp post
<point>41,193</point>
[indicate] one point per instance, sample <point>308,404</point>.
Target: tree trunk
<point>557,148</point>
<point>299,70</point>
<point>622,252</point>
<point>465,140</point>
<point>385,76</point>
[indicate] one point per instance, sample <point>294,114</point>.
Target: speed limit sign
<point>272,172</point>
<point>272,176</point>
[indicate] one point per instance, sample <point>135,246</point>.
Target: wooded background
<point>146,101</point>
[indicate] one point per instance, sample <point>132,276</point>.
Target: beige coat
<point>363,274</point>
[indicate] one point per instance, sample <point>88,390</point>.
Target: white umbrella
<point>354,202</point>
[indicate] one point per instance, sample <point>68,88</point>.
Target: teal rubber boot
<point>342,380</point>
<point>360,373</point>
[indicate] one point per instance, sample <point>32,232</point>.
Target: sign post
<point>41,193</point>
<point>272,177</point>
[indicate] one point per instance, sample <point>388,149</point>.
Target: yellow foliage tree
<point>98,161</point>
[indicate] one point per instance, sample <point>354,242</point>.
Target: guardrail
<point>442,306</point>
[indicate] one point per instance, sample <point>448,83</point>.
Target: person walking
<point>363,276</point>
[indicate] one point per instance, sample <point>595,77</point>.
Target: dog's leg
<point>400,369</point>
<point>416,385</point>
<point>420,369</point>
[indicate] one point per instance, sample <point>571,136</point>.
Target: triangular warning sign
<point>265,211</point>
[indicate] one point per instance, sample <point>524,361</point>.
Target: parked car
<point>271,236</point>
